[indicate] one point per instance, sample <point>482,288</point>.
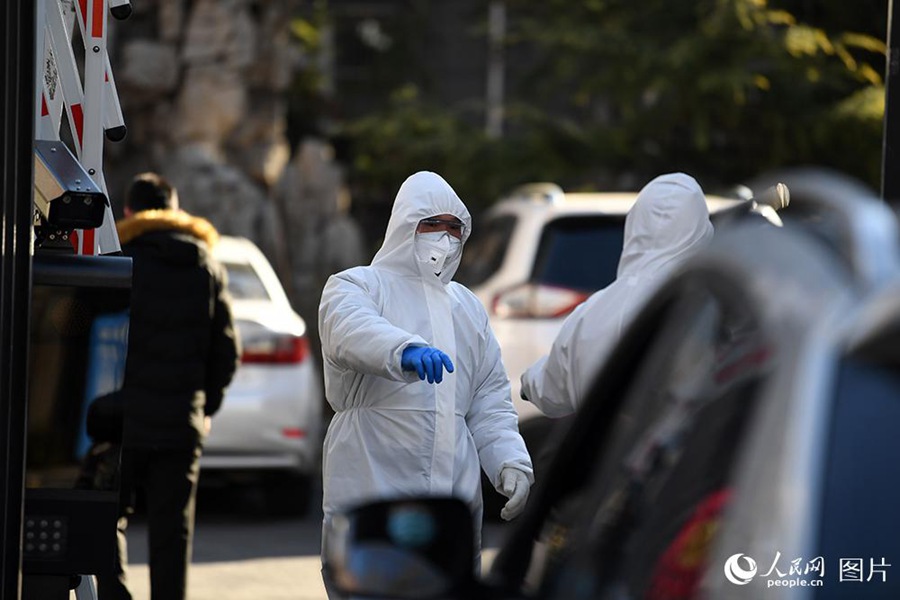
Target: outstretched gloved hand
<point>427,361</point>
<point>514,485</point>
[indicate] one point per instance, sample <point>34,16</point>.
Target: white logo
<point>735,573</point>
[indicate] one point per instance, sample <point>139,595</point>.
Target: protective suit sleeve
<point>557,383</point>
<point>354,334</point>
<point>492,419</point>
<point>549,383</point>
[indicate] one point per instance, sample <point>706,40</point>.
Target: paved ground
<point>242,561</point>
<point>241,554</point>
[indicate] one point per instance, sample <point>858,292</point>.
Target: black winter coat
<point>182,345</point>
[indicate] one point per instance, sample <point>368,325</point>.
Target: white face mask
<point>435,248</point>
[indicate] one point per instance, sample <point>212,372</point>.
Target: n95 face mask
<point>435,248</point>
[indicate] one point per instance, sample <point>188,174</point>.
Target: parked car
<point>269,429</point>
<point>738,443</point>
<point>533,258</point>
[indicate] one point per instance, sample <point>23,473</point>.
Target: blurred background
<point>293,122</point>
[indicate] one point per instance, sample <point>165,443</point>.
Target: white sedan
<point>269,429</point>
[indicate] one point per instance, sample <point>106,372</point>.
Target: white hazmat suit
<point>394,435</point>
<point>668,223</point>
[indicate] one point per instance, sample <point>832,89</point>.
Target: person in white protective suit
<point>413,371</point>
<point>668,223</point>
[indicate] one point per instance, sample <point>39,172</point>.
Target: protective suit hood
<point>422,195</point>
<point>668,222</point>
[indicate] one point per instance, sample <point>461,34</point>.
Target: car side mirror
<point>409,548</point>
<point>766,204</point>
<point>771,200</point>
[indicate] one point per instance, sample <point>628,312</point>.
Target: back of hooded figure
<point>394,435</point>
<point>668,223</point>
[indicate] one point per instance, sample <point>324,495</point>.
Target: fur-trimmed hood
<point>146,221</point>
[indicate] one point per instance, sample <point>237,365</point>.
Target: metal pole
<point>17,78</point>
<point>890,165</point>
<point>495,71</point>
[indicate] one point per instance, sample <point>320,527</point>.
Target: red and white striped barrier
<point>91,105</point>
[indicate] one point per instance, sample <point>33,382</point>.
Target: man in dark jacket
<point>182,353</point>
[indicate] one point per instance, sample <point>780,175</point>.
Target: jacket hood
<point>668,223</point>
<point>146,221</point>
<point>422,195</point>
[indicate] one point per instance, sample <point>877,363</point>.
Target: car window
<point>645,519</point>
<point>860,481</point>
<point>485,250</point>
<point>244,283</point>
<point>579,252</point>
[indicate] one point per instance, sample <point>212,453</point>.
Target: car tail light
<point>275,349</point>
<point>536,301</point>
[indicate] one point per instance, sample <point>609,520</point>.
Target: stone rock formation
<point>202,85</point>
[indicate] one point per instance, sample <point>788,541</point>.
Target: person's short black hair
<point>150,191</point>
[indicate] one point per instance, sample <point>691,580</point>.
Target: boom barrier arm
<point>91,102</point>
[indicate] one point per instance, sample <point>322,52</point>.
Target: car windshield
<point>244,283</point>
<point>485,250</point>
<point>579,252</point>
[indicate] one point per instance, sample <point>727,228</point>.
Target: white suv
<point>269,429</point>
<point>538,253</point>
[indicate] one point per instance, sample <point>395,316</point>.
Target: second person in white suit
<point>668,223</point>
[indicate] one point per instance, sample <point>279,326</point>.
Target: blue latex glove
<point>427,361</point>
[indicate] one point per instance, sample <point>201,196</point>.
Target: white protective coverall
<point>668,223</point>
<point>394,435</point>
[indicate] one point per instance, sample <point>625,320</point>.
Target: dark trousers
<point>168,479</point>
